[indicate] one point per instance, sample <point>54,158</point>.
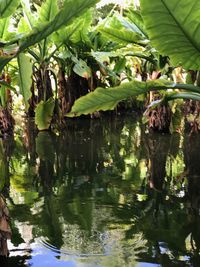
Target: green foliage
<point>44,114</point>
<point>65,16</point>
<point>25,77</point>
<point>173,28</point>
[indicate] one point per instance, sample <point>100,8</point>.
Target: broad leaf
<point>25,77</point>
<point>48,10</point>
<point>182,95</point>
<point>122,36</point>
<point>4,23</point>
<point>108,98</point>
<point>137,21</point>
<point>7,7</point>
<point>44,113</point>
<point>134,51</point>
<point>8,86</point>
<point>120,30</point>
<point>3,97</point>
<point>173,28</point>
<point>23,26</point>
<point>63,35</point>
<point>81,68</point>
<point>81,35</point>
<point>29,18</point>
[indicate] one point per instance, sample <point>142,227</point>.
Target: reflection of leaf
<point>44,146</point>
<point>44,113</point>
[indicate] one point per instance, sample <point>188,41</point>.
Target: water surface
<point>102,193</point>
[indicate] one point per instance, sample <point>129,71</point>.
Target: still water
<point>102,193</point>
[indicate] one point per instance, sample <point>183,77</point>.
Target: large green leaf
<point>81,35</point>
<point>118,29</point>
<point>25,77</point>
<point>64,34</point>
<point>182,95</point>
<point>122,36</point>
<point>108,98</point>
<point>48,10</point>
<point>77,31</point>
<point>3,97</point>
<point>4,23</point>
<point>173,28</point>
<point>29,19</point>
<point>7,7</point>
<point>44,113</point>
<point>137,21</point>
<point>8,86</point>
<point>81,68</point>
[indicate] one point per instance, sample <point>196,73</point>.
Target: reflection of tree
<point>6,147</point>
<point>191,152</point>
<point>5,231</point>
<point>157,149</point>
<point>19,261</point>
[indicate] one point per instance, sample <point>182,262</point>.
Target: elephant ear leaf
<point>44,114</point>
<point>48,11</point>
<point>173,28</point>
<point>7,7</point>
<point>107,98</point>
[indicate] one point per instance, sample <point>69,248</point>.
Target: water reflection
<point>102,193</point>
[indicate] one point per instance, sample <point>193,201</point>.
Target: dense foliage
<point>54,52</point>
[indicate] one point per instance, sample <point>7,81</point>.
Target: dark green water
<point>102,193</point>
